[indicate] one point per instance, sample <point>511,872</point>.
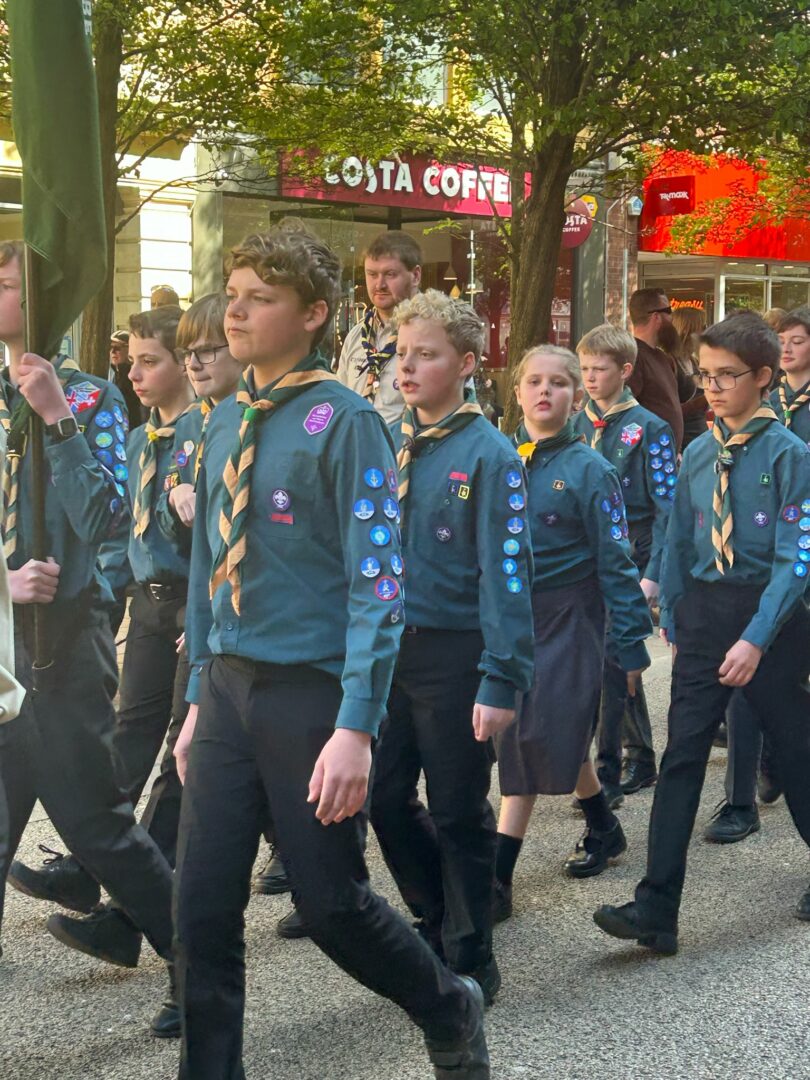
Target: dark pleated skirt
<point>543,750</point>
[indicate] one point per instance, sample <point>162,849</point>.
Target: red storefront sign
<point>671,195</point>
<point>578,224</point>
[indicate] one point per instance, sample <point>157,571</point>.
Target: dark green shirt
<point>180,471</point>
<point>800,422</point>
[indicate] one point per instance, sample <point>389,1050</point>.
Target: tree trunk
<point>97,320</point>
<point>532,290</point>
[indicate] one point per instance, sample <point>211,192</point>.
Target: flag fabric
<point>55,121</point>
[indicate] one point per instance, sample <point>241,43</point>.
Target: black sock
<point>506,855</point>
<point>597,813</point>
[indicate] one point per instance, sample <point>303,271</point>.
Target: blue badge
<point>616,516</point>
<point>660,490</point>
<point>671,481</point>
<point>104,419</point>
<point>761,519</point>
<point>444,534</point>
<point>515,525</point>
<point>396,613</point>
<point>615,532</point>
<point>615,498</point>
<point>121,490</point>
<point>509,567</point>
<point>120,452</point>
<point>664,440</point>
<point>804,542</point>
<point>804,556</point>
<point>370,566</point>
<point>551,519</point>
<point>280,498</point>
<point>181,457</point>
<point>671,493</point>
<point>669,467</point>
<point>516,501</point>
<point>667,455</point>
<point>511,547</point>
<point>387,589</point>
<point>364,509</point>
<point>396,564</point>
<point>659,477</point>
<point>374,478</point>
<point>800,569</point>
<point>791,513</point>
<point>105,457</point>
<point>626,481</point>
<point>104,439</point>
<point>380,535</point>
<point>806,506</point>
<point>604,506</point>
<point>452,487</point>
<point>655,449</point>
<point>390,508</point>
<point>115,505</point>
<point>120,434</point>
<point>514,585</point>
<point>656,463</point>
<point>804,524</point>
<point>120,472</point>
<point>514,479</point>
<point>119,416</point>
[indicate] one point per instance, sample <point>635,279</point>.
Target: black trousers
<point>60,750</point>
<point>709,620</point>
<point>624,720</point>
<point>744,751</point>
<point>259,734</point>
<point>442,858</point>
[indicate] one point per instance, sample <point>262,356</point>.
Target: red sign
<point>671,195</point>
<point>578,224</point>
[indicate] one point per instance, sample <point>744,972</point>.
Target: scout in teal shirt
<point>582,566</point>
<point>733,586</point>
<point>296,611</point>
<point>791,399</point>
<point>467,649</point>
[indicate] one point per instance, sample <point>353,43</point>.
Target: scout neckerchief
<point>376,359</point>
<point>722,520</point>
<point>142,510</point>
<point>601,420</point>
<point>802,396</point>
<point>14,454</point>
<point>237,475</point>
<point>564,437</point>
<point>206,408</point>
<point>414,442</point>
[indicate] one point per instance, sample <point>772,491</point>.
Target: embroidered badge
<point>511,547</point>
<point>516,501</point>
<point>804,556</point>
<point>390,508</point>
<point>374,478</point>
<point>551,519</point>
<point>558,485</point>
<point>119,416</point>
<point>120,452</point>
<point>283,519</point>
<point>631,435</point>
<point>392,481</point>
<point>460,476</point>
<point>171,480</point>
<point>509,567</point>
<point>103,419</point>
<point>615,532</point>
<point>656,463</point>
<point>443,534</point>
<point>318,418</point>
<point>515,525</point>
<point>181,457</point>
<point>83,396</point>
<point>664,440</point>
<point>804,524</point>
<point>464,491</point>
<point>791,513</point>
<point>800,569</point>
<point>659,476</point>
<point>364,509</point>
<point>626,481</point>
<point>380,536</point>
<point>386,589</point>
<point>120,472</point>
<point>604,506</point>
<point>804,542</point>
<point>370,567</point>
<point>655,449</point>
<point>188,446</point>
<point>396,564</point>
<point>396,614</point>
<point>104,439</point>
<point>616,516</point>
<point>806,506</point>
<point>513,478</point>
<point>761,519</point>
<point>120,434</point>
<point>514,585</point>
<point>281,499</point>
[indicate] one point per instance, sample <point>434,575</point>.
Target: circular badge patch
<point>390,508</point>
<point>804,542</point>
<point>660,490</point>
<point>121,490</point>
<point>516,501</point>
<point>120,434</point>
<point>181,457</point>
<point>615,498</point>
<point>513,478</point>
<point>664,440</point>
<point>119,416</point>
<point>800,569</point>
<point>511,547</point>
<point>105,457</point>
<point>104,439</point>
<point>615,532</point>
<point>364,509</point>
<point>656,463</point>
<point>380,536</point>
<point>667,455</point>
<point>396,564</point>
<point>396,614</point>
<point>374,478</point>
<point>659,477</point>
<point>509,567</point>
<point>804,524</point>
<point>515,525</point>
<point>604,506</point>
<point>669,467</point>
<point>791,513</point>
<point>444,534</point>
<point>671,481</point>
<point>104,419</point>
<point>626,481</point>
<point>370,567</point>
<point>120,452</point>
<point>280,498</point>
<point>121,472</point>
<point>386,589</point>
<point>514,585</point>
<point>804,556</point>
<point>615,516</point>
<point>188,446</point>
<point>761,519</point>
<point>655,449</point>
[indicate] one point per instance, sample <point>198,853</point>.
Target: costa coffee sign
<point>671,195</point>
<point>578,224</point>
<point>416,182</point>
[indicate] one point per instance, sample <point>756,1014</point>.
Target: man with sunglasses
<point>654,382</point>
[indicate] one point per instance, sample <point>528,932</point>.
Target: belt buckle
<point>157,590</point>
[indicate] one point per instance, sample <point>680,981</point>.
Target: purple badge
<point>281,499</point>
<point>761,519</point>
<point>318,418</point>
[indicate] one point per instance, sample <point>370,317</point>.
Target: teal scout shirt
<point>181,471</point>
<point>578,530</point>
<point>800,422</point>
<point>321,581</point>
<point>642,449</point>
<point>467,550</point>
<point>770,502</point>
<point>84,495</point>
<point>152,555</point>
<point>113,555</point>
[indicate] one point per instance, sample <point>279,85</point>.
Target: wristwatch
<point>63,429</point>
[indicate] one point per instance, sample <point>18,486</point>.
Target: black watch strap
<point>63,429</point>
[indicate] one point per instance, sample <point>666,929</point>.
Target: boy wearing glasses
<point>643,451</point>
<point>732,587</point>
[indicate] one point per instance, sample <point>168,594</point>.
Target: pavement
<point>575,1005</point>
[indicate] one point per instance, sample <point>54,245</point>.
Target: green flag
<point>55,120</point>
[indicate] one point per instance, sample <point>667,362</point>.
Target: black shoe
<point>272,879</point>
<point>166,1021</point>
<point>501,902</point>
<point>768,788</point>
<point>721,736</point>
<point>467,1057</point>
<point>637,775</point>
<point>107,934</point>
<point>292,926</point>
<point>594,851</point>
<point>60,880</point>
<point>732,823</point>
<point>627,923</point>
<point>803,906</point>
<point>613,794</point>
<point>488,978</point>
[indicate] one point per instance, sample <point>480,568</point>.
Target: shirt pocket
<point>290,496</point>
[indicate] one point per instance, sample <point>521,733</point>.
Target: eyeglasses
<point>206,355</point>
<point>726,381</point>
<point>660,311</point>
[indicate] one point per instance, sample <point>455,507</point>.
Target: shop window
<point>745,293</point>
<point>790,294</point>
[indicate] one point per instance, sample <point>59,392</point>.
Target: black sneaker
<point>594,852</point>
<point>107,934</point>
<point>272,879</point>
<point>637,775</point>
<point>730,824</point>
<point>628,924</point>
<point>292,926</point>
<point>501,902</point>
<point>465,1058</point>
<point>60,880</point>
